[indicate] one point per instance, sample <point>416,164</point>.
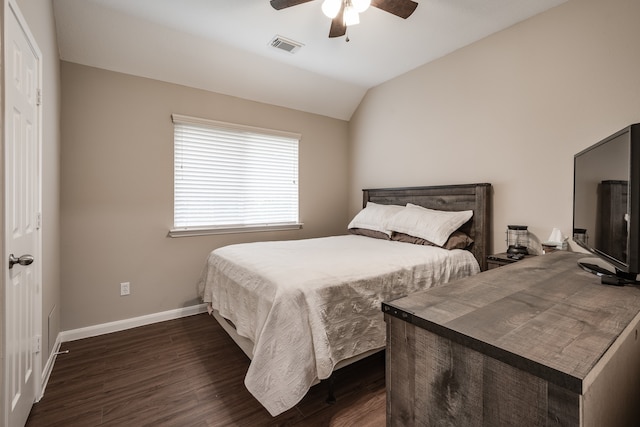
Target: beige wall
<point>511,110</point>
<point>39,17</point>
<point>117,190</point>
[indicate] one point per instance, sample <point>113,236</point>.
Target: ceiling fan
<point>344,13</point>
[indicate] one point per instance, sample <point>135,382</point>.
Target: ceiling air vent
<point>285,44</point>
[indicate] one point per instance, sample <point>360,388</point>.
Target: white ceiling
<point>223,45</point>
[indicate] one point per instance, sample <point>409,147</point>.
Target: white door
<point>22,205</point>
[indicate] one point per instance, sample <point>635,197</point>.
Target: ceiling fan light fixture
<point>361,5</point>
<point>351,16</point>
<point>331,8</point>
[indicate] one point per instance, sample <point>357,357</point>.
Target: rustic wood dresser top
<point>544,315</point>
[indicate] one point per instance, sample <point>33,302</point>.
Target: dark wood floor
<point>188,372</point>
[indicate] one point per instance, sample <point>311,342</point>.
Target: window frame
<point>184,231</point>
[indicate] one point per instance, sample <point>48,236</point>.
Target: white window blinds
<point>233,178</point>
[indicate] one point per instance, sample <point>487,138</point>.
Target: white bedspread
<point>308,304</point>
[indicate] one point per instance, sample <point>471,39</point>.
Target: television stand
<point>608,274</point>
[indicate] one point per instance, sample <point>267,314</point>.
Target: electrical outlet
<point>125,288</point>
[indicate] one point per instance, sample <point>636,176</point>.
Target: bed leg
<point>331,398</point>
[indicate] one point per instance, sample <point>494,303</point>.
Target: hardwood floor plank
<point>188,372</point>
<point>150,402</point>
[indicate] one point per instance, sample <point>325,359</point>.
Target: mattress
<point>308,304</point>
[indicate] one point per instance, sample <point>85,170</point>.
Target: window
<point>230,178</point>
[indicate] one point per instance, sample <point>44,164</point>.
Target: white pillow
<point>432,225</point>
<point>375,217</point>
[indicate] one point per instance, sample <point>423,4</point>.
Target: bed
<point>301,309</point>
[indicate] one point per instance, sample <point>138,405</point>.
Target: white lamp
<point>352,9</point>
<point>361,5</point>
<point>331,8</point>
<point>351,16</point>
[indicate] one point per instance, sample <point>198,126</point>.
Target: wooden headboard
<point>475,197</point>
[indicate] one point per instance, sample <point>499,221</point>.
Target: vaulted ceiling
<point>224,46</point>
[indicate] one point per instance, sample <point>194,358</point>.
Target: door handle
<point>23,260</point>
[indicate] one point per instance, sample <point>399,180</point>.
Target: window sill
<point>206,231</point>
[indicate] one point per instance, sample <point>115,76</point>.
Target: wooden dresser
<point>536,343</point>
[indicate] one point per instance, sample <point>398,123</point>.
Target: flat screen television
<point>606,206</point>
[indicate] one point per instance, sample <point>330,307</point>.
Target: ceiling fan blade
<point>338,28</point>
<point>283,4</point>
<point>401,8</point>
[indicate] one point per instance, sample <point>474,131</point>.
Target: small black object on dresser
<point>498,260</point>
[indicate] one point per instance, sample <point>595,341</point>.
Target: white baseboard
<point>121,325</point>
<point>48,367</point>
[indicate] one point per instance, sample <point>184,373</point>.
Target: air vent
<point>285,44</point>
